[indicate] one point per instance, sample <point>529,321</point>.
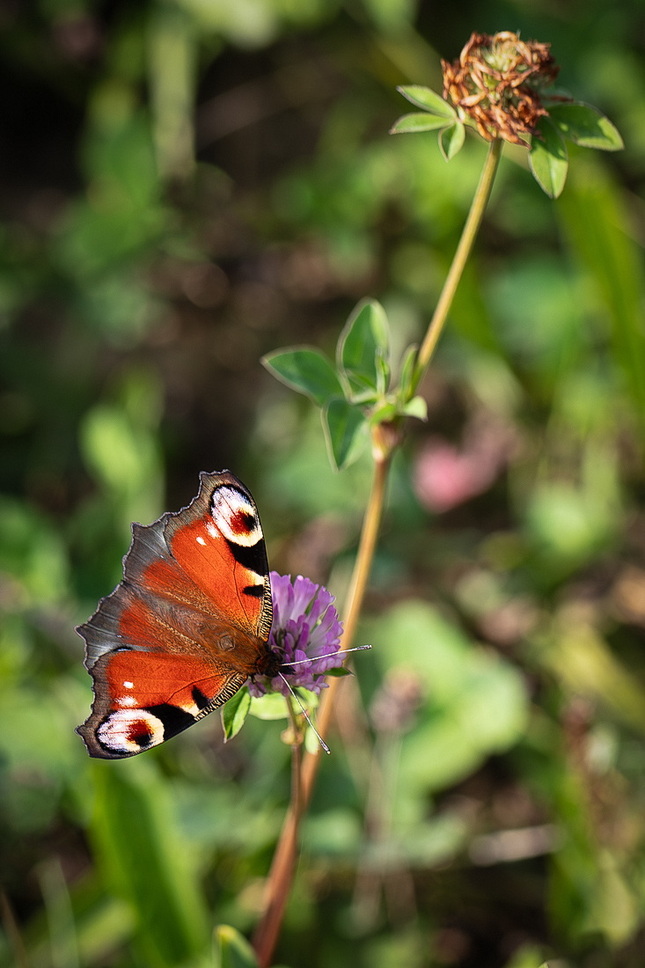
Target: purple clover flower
<point>305,626</point>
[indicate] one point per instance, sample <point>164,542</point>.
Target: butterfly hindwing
<point>186,627</point>
<point>143,699</point>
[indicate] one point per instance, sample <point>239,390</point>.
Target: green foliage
<point>573,121</point>
<point>148,864</point>
<point>362,350</point>
<point>474,704</point>
<point>597,226</point>
<point>307,371</point>
<point>362,376</point>
<point>234,713</point>
<point>548,159</point>
<point>232,950</point>
<point>585,126</point>
<point>567,120</point>
<point>439,115</point>
<point>343,422</point>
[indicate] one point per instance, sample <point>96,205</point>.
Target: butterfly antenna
<point>357,648</point>
<point>305,713</point>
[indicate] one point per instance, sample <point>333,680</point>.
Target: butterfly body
<point>186,627</point>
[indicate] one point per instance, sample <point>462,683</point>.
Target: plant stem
<point>296,761</point>
<point>282,869</point>
<point>464,248</point>
<point>386,439</point>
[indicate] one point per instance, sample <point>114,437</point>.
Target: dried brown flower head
<point>496,84</point>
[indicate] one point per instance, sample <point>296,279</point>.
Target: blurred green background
<point>185,186</point>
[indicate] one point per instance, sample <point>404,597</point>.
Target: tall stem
<point>385,438</point>
<point>282,868</point>
<point>466,242</point>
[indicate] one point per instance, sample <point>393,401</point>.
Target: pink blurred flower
<point>445,476</point>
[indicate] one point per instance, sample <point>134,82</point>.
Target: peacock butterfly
<point>186,627</point>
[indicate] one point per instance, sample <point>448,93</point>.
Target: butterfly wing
<point>187,625</point>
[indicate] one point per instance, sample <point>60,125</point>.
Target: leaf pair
<point>567,120</point>
<point>438,115</point>
<point>355,394</point>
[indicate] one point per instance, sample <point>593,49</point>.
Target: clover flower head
<point>305,630</point>
<point>496,84</point>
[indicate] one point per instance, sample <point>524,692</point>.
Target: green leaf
<point>412,123</point>
<point>309,699</point>
<point>152,866</point>
<point>338,672</point>
<point>416,407</point>
<point>234,713</point>
<point>306,370</point>
<point>475,705</point>
<point>451,140</point>
<point>598,225</point>
<point>428,100</point>
<point>388,410</point>
<point>232,950</point>
<point>271,706</point>
<point>548,159</point>
<point>362,344</point>
<point>585,126</point>
<point>343,423</point>
<point>408,372</point>
<point>383,374</point>
<point>106,431</point>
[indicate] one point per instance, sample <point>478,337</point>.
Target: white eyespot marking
<point>130,730</point>
<point>126,701</point>
<point>200,540</point>
<point>128,685</point>
<point>212,530</point>
<point>235,516</point>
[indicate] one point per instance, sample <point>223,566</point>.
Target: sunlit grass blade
<point>600,235</point>
<point>62,930</point>
<point>231,949</point>
<point>146,862</point>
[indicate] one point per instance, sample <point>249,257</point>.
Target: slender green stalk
<point>386,438</point>
<point>466,242</point>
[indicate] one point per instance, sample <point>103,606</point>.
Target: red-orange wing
<point>217,540</point>
<point>187,625</point>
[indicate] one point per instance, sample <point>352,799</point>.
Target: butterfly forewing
<point>185,628</point>
<point>219,543</point>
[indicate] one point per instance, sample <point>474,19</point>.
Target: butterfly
<point>186,627</point>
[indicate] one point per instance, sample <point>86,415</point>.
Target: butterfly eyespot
<point>130,730</point>
<point>235,516</point>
